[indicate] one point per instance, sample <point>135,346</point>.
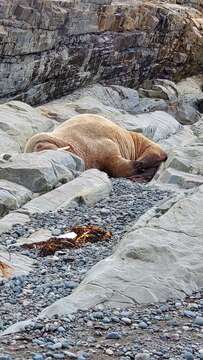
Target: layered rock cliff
<point>49,48</point>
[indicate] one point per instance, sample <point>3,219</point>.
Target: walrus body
<point>103,145</point>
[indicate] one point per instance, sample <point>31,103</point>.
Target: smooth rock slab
<point>40,171</point>
<point>90,187</point>
<point>161,258</point>
<point>18,122</point>
<point>12,196</point>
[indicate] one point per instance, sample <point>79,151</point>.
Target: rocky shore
<point>137,294</point>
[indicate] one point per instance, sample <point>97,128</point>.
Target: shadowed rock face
<point>51,48</point>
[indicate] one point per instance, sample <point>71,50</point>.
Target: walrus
<point>104,145</point>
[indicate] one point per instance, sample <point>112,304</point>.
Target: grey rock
<point>15,217</point>
<point>20,264</point>
<point>199,320</point>
<point>178,178</point>
<point>113,335</point>
<point>90,187</point>
<point>24,121</point>
<point>12,196</point>
<point>188,355</point>
<point>42,171</point>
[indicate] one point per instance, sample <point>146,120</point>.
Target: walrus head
<point>44,141</point>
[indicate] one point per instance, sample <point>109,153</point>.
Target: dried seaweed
<point>83,235</point>
<point>5,270</point>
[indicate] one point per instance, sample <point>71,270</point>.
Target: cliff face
<point>49,48</point>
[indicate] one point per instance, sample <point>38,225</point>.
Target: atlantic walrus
<point>103,145</point>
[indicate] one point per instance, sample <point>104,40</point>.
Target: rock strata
<point>51,48</point>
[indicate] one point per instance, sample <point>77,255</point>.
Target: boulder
<point>41,171</point>
<point>159,259</point>
<point>12,196</point>
<point>157,125</point>
<point>90,187</point>
<point>18,122</point>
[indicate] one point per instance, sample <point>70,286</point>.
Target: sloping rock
<point>179,178</point>
<point>183,137</point>
<point>13,218</point>
<point>18,264</point>
<point>198,130</point>
<point>90,187</point>
<point>121,105</point>
<point>51,48</point>
<point>18,122</point>
<point>188,159</point>
<point>8,144</point>
<point>42,171</point>
<point>111,101</point>
<point>12,196</point>
<point>159,259</point>
<point>157,125</point>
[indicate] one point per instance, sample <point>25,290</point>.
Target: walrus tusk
<point>65,148</point>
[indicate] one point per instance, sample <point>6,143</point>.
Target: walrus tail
<point>43,138</point>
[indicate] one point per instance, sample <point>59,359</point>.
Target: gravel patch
<point>56,276</point>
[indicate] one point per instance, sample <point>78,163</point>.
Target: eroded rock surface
<point>51,48</point>
<point>40,172</point>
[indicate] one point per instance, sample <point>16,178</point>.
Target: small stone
<point>189,313</point>
<point>199,320</point>
<point>56,346</point>
<point>142,356</point>
<point>143,325</point>
<point>201,354</point>
<point>126,320</point>
<point>188,355</point>
<point>109,352</point>
<point>164,308</point>
<point>70,284</point>
<point>113,335</point>
<point>38,357</point>
<point>58,356</point>
<point>61,329</point>
<point>70,355</point>
<point>98,315</point>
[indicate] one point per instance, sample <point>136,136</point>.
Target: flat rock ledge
<point>159,259</point>
<point>90,187</point>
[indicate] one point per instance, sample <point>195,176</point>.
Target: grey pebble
<point>143,325</point>
<point>37,357</point>
<point>199,320</point>
<point>188,355</point>
<point>113,335</point>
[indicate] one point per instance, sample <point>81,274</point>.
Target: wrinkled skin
<point>103,145</point>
